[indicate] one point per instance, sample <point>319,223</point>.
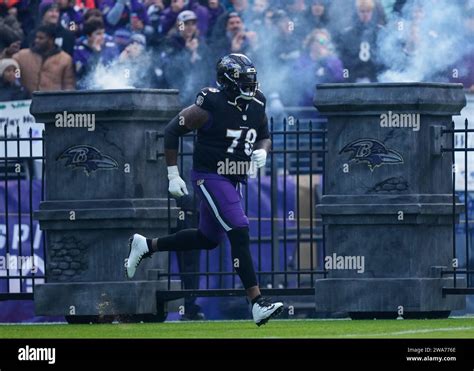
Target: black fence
<point>287,237</point>
<point>22,180</point>
<point>463,258</point>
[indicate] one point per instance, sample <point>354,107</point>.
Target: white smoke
<point>424,42</point>
<point>122,73</point>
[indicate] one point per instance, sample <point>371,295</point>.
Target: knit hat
<point>45,6</point>
<point>187,15</point>
<point>138,38</point>
<point>7,62</point>
<point>123,34</point>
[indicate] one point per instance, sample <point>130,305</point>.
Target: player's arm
<point>263,144</point>
<point>189,119</point>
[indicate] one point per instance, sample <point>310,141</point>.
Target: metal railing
<point>461,269</point>
<point>21,239</point>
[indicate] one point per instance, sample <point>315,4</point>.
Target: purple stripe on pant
<point>220,205</point>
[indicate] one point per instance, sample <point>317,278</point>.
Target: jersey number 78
<point>250,139</point>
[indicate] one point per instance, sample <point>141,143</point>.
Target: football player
<point>232,129</point>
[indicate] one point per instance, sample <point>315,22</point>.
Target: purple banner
<point>22,254</point>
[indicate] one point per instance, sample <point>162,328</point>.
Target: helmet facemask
<point>244,85</point>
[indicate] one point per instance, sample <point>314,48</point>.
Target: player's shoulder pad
<point>206,97</point>
<point>260,98</point>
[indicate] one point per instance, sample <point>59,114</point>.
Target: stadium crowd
<point>69,44</point>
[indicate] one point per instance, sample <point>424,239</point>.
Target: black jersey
<point>225,143</point>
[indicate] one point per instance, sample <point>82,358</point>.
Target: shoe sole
<point>276,313</point>
<point>129,251</point>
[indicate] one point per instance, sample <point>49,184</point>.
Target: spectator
<point>286,46</point>
<point>10,89</point>
<point>278,53</point>
<point>317,16</point>
<point>134,50</point>
<point>122,38</point>
<point>93,50</point>
<point>215,9</point>
<point>242,8</point>
<point>69,18</point>
<point>202,14</point>
<point>236,39</point>
<point>49,15</point>
<point>186,51</point>
<point>358,44</point>
<point>135,60</point>
<point>170,14</point>
<point>154,10</point>
<point>318,64</point>
<point>10,33</point>
<point>298,14</point>
<point>45,66</point>
<point>93,13</point>
<point>258,14</point>
<point>11,49</point>
<point>239,7</point>
<point>130,14</point>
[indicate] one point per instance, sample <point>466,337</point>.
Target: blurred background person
<point>215,10</point>
<point>186,58</point>
<point>11,32</point>
<point>318,64</point>
<point>358,44</point>
<point>92,50</point>
<point>154,9</point>
<point>298,13</point>
<point>170,15</point>
<point>317,16</point>
<point>240,7</point>
<point>69,18</point>
<point>10,88</point>
<point>138,62</point>
<point>129,14</point>
<point>235,40</point>
<point>257,19</point>
<point>45,66</point>
<point>49,15</point>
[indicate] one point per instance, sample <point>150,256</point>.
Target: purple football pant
<point>220,205</point>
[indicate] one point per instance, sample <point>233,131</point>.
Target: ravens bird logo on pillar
<point>88,158</point>
<point>372,152</point>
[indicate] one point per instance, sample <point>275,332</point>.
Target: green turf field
<point>446,328</point>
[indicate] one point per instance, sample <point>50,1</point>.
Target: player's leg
<point>206,237</point>
<point>185,240</point>
<point>225,202</point>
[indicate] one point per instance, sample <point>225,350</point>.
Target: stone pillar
<point>388,199</point>
<point>103,182</point>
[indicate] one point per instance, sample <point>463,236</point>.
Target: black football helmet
<point>237,76</point>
